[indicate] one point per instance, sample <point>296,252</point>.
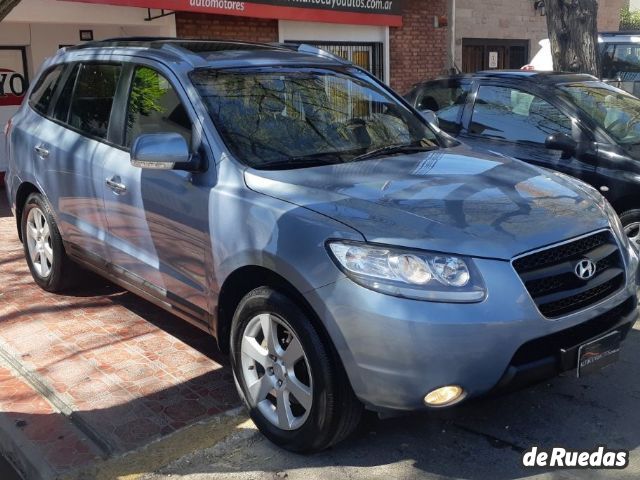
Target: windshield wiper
<point>392,150</point>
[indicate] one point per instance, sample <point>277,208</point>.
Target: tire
<point>50,267</point>
<point>327,411</point>
<point>631,223</point>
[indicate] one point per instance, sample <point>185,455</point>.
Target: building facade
<point>507,33</point>
<point>399,41</point>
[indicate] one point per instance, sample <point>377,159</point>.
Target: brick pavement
<point>96,372</point>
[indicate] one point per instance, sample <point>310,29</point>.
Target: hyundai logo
<point>585,269</point>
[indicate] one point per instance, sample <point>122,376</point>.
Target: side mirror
<point>563,142</point>
<point>431,117</point>
<point>160,151</point>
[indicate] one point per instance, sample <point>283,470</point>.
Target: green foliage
<point>146,92</point>
<point>629,20</point>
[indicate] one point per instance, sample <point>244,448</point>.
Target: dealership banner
<point>358,12</point>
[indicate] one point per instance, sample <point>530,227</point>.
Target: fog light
<point>444,396</point>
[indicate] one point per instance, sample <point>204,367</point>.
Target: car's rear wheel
<point>290,380</point>
<point>631,223</point>
<point>50,267</point>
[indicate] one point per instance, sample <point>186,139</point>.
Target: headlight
<point>437,277</point>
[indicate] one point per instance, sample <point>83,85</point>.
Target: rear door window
<point>154,107</point>
<point>40,98</point>
<point>515,115</point>
<point>92,99</point>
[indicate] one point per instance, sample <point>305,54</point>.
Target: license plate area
<point>599,353</point>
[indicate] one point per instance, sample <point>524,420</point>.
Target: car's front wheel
<point>631,223</point>
<point>294,387</point>
<point>50,267</point>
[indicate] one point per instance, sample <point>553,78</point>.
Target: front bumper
<point>396,350</point>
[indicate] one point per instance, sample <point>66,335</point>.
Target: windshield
<point>621,60</point>
<point>615,111</point>
<point>302,117</point>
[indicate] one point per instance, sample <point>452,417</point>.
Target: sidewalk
<point>95,373</point>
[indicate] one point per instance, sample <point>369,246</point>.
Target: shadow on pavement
<point>482,440</point>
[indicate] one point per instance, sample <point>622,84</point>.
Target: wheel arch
<point>246,278</point>
<point>626,203</point>
<point>24,190</point>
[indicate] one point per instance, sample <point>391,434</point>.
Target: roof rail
<point>120,42</point>
<point>621,32</point>
<point>311,49</point>
<point>159,42</point>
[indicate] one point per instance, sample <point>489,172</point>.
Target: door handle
<point>116,186</point>
<point>41,151</point>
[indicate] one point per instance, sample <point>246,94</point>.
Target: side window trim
<point>117,121</point>
<point>469,105</point>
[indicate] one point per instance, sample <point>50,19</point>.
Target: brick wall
<point>504,19</point>
<point>418,50</point>
<point>609,14</point>
<point>516,19</point>
<point>204,26</point>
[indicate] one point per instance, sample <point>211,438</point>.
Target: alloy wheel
<point>276,371</point>
<point>39,242</point>
<point>633,232</point>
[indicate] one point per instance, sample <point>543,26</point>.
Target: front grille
<point>550,345</point>
<point>550,278</point>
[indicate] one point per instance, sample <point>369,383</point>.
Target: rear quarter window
<point>40,97</point>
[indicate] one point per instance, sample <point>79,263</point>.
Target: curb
<point>164,451</point>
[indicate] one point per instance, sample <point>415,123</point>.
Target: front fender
<point>252,229</point>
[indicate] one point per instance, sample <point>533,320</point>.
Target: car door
<point>158,222</point>
<point>516,122</point>
<point>72,147</point>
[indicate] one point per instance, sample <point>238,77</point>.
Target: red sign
<point>355,12</point>
<point>13,86</point>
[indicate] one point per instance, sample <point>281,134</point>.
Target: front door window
<point>507,113</point>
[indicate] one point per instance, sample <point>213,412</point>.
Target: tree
<point>6,6</point>
<point>573,33</point>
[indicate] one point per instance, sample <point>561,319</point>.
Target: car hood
<point>453,200</point>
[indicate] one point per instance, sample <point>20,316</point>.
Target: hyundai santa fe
<point>344,252</point>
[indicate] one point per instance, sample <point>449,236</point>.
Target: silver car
<point>344,252</point>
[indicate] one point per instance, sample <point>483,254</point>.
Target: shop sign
<point>364,12</point>
<point>13,87</point>
<point>13,81</point>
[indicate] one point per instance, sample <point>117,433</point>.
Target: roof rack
<point>310,49</point>
<point>120,42</point>
<point>151,41</point>
<point>193,46</point>
<point>621,32</point>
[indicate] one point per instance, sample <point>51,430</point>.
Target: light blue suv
<point>345,252</point>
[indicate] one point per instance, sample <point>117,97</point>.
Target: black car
<point>571,123</point>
